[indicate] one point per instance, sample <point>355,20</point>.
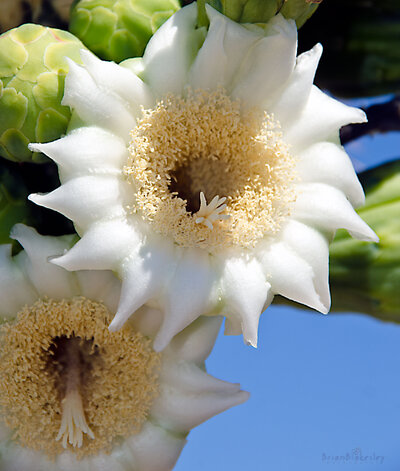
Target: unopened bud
<point>32,72</point>
<point>119,29</point>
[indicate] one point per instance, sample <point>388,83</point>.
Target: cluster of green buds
<point>32,72</point>
<point>119,29</point>
<point>260,12</point>
<point>364,276</point>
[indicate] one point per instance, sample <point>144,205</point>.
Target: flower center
<point>67,382</point>
<point>208,173</point>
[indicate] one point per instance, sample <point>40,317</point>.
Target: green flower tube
<point>32,71</point>
<point>119,29</point>
<point>365,277</point>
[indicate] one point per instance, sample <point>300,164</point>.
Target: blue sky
<point>325,390</point>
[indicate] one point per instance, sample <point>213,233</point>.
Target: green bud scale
<point>32,72</point>
<point>119,29</point>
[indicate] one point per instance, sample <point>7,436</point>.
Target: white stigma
<point>209,213</point>
<point>73,421</point>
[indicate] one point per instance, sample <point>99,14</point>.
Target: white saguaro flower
<point>231,114</point>
<point>75,396</point>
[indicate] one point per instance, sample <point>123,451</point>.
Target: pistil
<point>73,422</point>
<point>209,213</point>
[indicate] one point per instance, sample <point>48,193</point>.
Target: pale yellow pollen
<point>209,213</point>
<point>207,144</point>
<point>66,381</point>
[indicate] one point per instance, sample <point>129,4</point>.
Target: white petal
<point>103,462</point>
<point>320,120</point>
<point>86,151</point>
<point>147,320</point>
<point>208,70</point>
<point>186,295</point>
<point>67,462</point>
<point>326,162</point>
<point>297,90</point>
<point>17,458</point>
<point>170,52</point>
<point>327,208</point>
<point>222,52</point>
<point>100,285</point>
<point>102,247</point>
<point>313,247</point>
<point>192,379</point>
<point>263,72</point>
<point>86,200</point>
<point>47,279</point>
<point>15,289</point>
<point>194,344</point>
<point>182,411</point>
<point>291,276</point>
<point>5,432</point>
<point>144,273</point>
<point>245,292</point>
<point>155,449</point>
<point>119,79</point>
<point>94,105</point>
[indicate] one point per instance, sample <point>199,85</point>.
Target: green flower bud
<point>248,11</point>
<point>364,276</point>
<point>119,29</point>
<point>32,73</point>
<point>299,10</point>
<point>261,11</point>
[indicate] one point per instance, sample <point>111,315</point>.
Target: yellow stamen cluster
<point>204,143</point>
<point>117,375</point>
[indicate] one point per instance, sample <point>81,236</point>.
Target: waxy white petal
<point>86,151</point>
<point>119,80</point>
<point>313,247</point>
<point>103,198</point>
<point>263,72</point>
<point>182,412</point>
<point>94,105</point>
<point>221,54</point>
<point>186,295</point>
<point>15,288</point>
<point>155,449</point>
<point>144,274</point>
<point>197,340</point>
<point>171,51</point>
<point>320,120</point>
<point>245,291</point>
<point>291,102</point>
<point>100,284</point>
<point>102,247</point>
<point>326,162</point>
<point>291,276</point>
<point>47,279</point>
<point>327,208</point>
<point>193,379</point>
